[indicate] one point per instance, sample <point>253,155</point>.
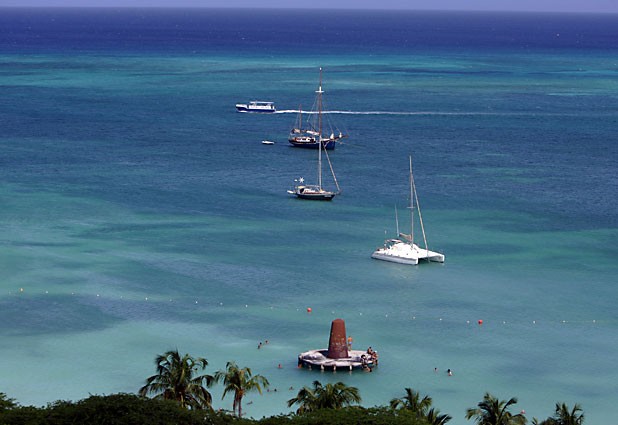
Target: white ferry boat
<point>256,106</point>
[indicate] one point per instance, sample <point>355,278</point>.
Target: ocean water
<point>140,213</point>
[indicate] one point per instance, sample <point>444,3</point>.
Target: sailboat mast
<point>319,92</point>
<point>411,203</point>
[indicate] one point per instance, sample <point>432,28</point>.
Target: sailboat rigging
<point>403,249</point>
<point>311,136</point>
<point>317,192</point>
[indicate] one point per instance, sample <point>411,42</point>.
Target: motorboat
<point>256,106</point>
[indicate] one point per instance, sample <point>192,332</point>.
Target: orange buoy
<point>308,309</point>
<point>480,322</point>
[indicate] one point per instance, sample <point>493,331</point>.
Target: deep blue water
<point>140,212</point>
<point>263,31</point>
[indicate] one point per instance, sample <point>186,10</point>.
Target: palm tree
<point>239,381</point>
<point>420,407</point>
<point>176,379</point>
<point>306,399</point>
<point>564,416</point>
<point>412,401</point>
<point>492,411</point>
<point>435,418</point>
<point>329,396</point>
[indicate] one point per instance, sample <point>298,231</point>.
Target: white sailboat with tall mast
<point>403,249</point>
<point>317,191</point>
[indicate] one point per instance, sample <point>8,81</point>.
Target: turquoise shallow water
<point>141,214</point>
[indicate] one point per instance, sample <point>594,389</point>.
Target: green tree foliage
<point>435,418</point>
<point>6,403</point>
<point>412,401</point>
<point>239,382</point>
<point>329,396</point>
<point>492,411</point>
<point>177,379</point>
<point>117,409</point>
<point>128,409</point>
<point>353,415</point>
<point>564,416</point>
<point>420,407</point>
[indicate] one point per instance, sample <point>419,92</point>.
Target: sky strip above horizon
<point>571,6</point>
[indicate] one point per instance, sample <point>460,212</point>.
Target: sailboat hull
<point>328,145</point>
<point>328,196</point>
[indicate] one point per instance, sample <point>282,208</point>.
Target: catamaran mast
<point>397,221</point>
<point>319,92</point>
<point>418,206</point>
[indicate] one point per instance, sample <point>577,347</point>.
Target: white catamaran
<point>316,191</point>
<point>402,249</point>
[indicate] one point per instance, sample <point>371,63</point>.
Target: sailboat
<point>316,191</point>
<point>403,249</point>
<point>312,134</point>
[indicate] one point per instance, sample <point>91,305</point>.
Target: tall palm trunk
<point>238,402</point>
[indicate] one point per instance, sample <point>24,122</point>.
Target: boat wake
<point>296,111</point>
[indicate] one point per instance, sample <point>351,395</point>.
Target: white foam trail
<point>295,111</point>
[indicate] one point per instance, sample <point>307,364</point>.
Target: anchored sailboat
<point>402,249</point>
<point>311,135</point>
<point>316,191</point>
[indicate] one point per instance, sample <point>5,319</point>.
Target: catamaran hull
<point>403,253</point>
<point>435,257</point>
<point>393,259</point>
